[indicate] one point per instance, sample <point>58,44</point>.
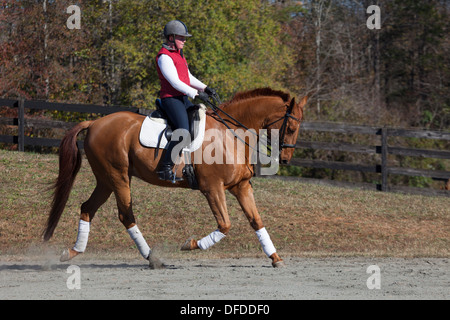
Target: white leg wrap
<point>265,241</point>
<point>210,240</point>
<point>82,237</point>
<point>142,245</point>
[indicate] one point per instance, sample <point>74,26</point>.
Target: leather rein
<point>237,123</point>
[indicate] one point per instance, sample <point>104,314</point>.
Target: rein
<point>237,123</point>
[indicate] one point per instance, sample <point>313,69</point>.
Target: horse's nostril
<point>284,161</point>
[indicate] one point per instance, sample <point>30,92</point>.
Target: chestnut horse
<point>115,154</point>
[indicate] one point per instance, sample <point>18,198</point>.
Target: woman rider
<point>177,84</point>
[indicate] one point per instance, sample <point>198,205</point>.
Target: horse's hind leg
<point>244,194</point>
<point>88,210</point>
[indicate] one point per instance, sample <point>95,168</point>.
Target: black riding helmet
<point>176,27</point>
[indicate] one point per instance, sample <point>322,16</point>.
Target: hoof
<point>155,263</point>
<point>68,254</point>
<point>190,244</point>
<point>65,256</point>
<point>278,264</point>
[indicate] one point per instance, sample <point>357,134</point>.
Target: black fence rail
<point>21,122</point>
<point>382,148</point>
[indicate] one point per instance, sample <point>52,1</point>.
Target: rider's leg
<point>175,109</point>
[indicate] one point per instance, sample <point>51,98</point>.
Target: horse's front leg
<point>244,194</point>
<point>217,202</point>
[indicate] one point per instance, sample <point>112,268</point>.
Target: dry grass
<point>303,219</point>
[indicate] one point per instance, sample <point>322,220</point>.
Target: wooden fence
<point>21,122</point>
<point>382,147</point>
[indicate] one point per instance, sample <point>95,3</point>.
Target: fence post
<point>384,153</point>
<point>257,169</point>
<point>21,125</point>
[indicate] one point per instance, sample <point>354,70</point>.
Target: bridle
<point>283,128</point>
<point>237,123</point>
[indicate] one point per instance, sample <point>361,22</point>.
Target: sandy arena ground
<point>242,279</point>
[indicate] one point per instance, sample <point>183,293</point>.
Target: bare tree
<point>320,11</point>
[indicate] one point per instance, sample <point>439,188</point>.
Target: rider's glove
<point>210,91</point>
<point>203,96</point>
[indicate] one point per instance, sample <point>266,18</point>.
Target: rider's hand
<point>203,96</point>
<point>210,91</point>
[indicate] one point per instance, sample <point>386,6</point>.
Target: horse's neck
<point>251,113</point>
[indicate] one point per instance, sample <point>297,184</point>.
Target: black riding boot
<point>165,170</point>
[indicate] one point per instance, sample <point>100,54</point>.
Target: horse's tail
<point>69,165</point>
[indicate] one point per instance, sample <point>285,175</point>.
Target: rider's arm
<point>195,83</point>
<point>169,71</point>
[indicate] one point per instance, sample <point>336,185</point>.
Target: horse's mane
<point>260,92</point>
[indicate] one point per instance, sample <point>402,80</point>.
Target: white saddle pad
<point>152,131</point>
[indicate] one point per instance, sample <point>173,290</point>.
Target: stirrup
<point>168,175</point>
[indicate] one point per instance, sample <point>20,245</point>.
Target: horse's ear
<point>303,102</point>
<point>291,105</point>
